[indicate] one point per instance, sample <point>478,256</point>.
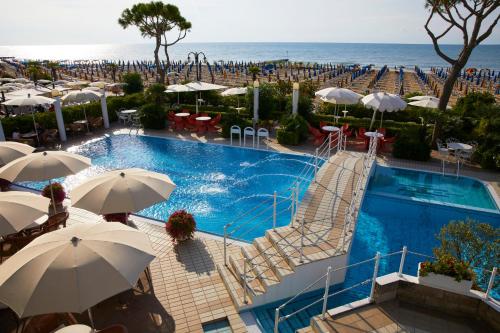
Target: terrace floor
<point>186,289</point>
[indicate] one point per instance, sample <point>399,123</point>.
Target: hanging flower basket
<point>180,226</point>
<point>57,189</point>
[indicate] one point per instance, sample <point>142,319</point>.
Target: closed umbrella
<point>74,268</point>
<point>19,209</point>
<point>383,102</point>
<point>119,191</point>
<point>44,166</point>
<point>31,101</point>
<point>11,150</point>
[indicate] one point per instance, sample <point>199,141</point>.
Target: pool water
<point>386,223</point>
<point>215,183</point>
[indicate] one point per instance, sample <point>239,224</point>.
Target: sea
<point>408,55</point>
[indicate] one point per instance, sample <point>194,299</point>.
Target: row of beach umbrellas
<point>74,268</point>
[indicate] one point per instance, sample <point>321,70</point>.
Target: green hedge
<point>153,116</point>
<point>72,113</point>
<point>412,145</point>
<point>293,130</point>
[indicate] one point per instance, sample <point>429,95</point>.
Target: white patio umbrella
<point>74,268</point>
<point>31,101</point>
<point>177,88</point>
<point>203,86</point>
<point>97,84</point>
<point>21,80</point>
<point>383,102</point>
<point>6,79</point>
<point>11,150</point>
<point>44,166</point>
<point>235,92</point>
<point>420,98</point>
<point>74,84</point>
<point>338,96</point>
<point>43,81</point>
<point>121,191</point>
<point>81,97</point>
<point>20,209</point>
<point>427,103</point>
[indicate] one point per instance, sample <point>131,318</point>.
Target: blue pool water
<point>392,215</point>
<point>216,183</point>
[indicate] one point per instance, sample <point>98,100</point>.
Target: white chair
<point>443,152</point>
<point>135,123</point>
<point>122,117</point>
<point>262,133</point>
<point>235,130</point>
<point>248,131</point>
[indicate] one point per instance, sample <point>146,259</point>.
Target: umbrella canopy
<point>21,80</point>
<point>29,101</point>
<point>19,209</point>
<point>44,166</point>
<point>74,268</point>
<point>77,83</point>
<point>203,86</point>
<point>10,150</point>
<point>80,96</point>
<point>383,102</point>
<point>118,191</point>
<point>6,79</point>
<point>338,95</point>
<point>427,103</point>
<point>234,91</point>
<point>92,88</point>
<point>97,84</point>
<point>43,81</point>
<point>420,98</point>
<point>177,88</point>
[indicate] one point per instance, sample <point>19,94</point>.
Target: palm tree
<point>34,70</point>
<point>53,66</point>
<point>113,68</point>
<point>254,70</point>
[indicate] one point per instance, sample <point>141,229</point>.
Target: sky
<point>28,22</point>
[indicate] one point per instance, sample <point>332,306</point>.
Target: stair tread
<point>233,287</point>
<point>274,258</point>
<point>237,265</point>
<point>261,266</point>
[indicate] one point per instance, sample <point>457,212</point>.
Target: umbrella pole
<point>381,118</point>
<point>89,311</point>
<point>86,121</point>
<point>34,125</point>
<point>52,197</point>
<point>373,119</point>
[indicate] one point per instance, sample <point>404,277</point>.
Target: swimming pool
<point>389,219</point>
<point>214,182</point>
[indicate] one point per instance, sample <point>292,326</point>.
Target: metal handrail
<point>404,251</point>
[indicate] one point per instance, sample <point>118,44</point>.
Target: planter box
<point>444,282</point>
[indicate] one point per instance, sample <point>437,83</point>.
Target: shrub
<point>293,130</point>
<point>153,116</point>
<point>267,100</point>
<point>412,145</point>
<point>180,225</point>
<point>155,94</point>
<point>230,119</point>
<point>133,83</point>
<point>57,189</point>
<point>449,266</point>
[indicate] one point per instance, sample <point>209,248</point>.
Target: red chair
<point>384,142</point>
<point>345,129</point>
<point>382,131</point>
<point>319,137</point>
<point>191,123</point>
<point>212,125</point>
<point>322,124</point>
<point>179,123</point>
<point>171,116</point>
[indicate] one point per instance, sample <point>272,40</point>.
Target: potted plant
<point>446,273</point>
<point>180,226</point>
<point>117,217</point>
<point>54,191</point>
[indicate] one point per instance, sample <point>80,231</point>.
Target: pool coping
<point>493,195</point>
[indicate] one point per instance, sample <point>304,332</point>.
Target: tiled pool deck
<point>187,290</point>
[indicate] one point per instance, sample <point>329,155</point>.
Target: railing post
<point>245,285</point>
<point>329,144</point>
<point>327,288</point>
<point>374,278</point>
<point>225,244</point>
<point>402,263</point>
<point>316,163</point>
<point>492,282</point>
<point>292,207</point>
<point>274,210</point>
<point>302,242</point>
<point>276,319</point>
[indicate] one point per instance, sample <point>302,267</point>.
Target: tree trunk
<point>159,70</point>
<point>444,98</point>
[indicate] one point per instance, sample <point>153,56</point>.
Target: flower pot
<point>59,208</point>
<point>444,282</point>
<point>182,239</point>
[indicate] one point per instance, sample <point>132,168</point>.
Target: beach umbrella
<point>421,98</point>
<point>119,191</point>
<point>20,209</point>
<point>96,89</point>
<point>21,80</point>
<point>235,92</point>
<point>74,268</point>
<point>81,97</point>
<point>74,84</point>
<point>97,84</point>
<point>31,101</point>
<point>427,103</point>
<point>44,166</point>
<point>43,81</point>
<point>177,88</point>
<point>338,95</point>
<point>11,150</point>
<point>383,102</point>
<point>203,86</point>
<point>6,79</point>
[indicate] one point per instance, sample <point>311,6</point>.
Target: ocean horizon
<point>378,54</point>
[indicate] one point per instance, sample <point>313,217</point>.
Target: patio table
<point>78,328</point>
<point>330,128</point>
<point>182,114</point>
<point>459,146</point>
